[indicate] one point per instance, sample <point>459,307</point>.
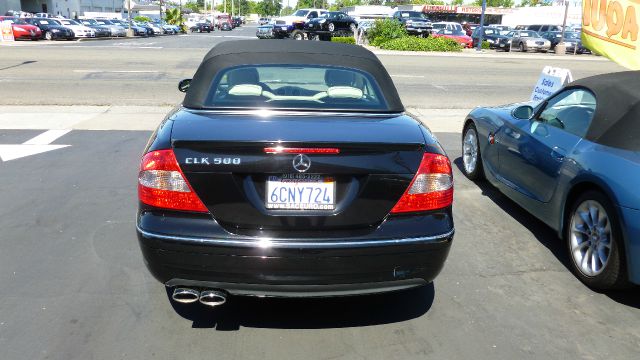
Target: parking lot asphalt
<point>74,285</point>
<point>145,71</point>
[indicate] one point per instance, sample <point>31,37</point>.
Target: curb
<point>483,54</point>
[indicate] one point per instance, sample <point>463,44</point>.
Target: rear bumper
<point>294,268</point>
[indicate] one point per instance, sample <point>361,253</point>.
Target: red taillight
<point>431,187</point>
<point>284,150</point>
<point>162,184</point>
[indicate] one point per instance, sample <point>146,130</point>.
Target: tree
<point>458,2</point>
<point>143,19</point>
<point>193,6</point>
<point>245,7</point>
<point>495,3</point>
<point>268,7</point>
<point>339,4</point>
<point>172,16</point>
<point>536,2</point>
<point>286,11</point>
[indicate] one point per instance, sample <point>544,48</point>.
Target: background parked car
<point>221,19</point>
<point>458,35</point>
<point>526,40</point>
<point>415,22</point>
<point>490,34</point>
<point>543,28</point>
<point>265,32</point>
<point>327,24</point>
<point>504,29</point>
<point>263,21</point>
<point>137,30</point>
<point>116,29</point>
<point>446,25</point>
<point>50,29</point>
<point>157,29</point>
<point>101,30</point>
<point>79,30</point>
<point>572,41</point>
<point>201,27</point>
<point>148,29</point>
<point>22,29</point>
<point>225,26</point>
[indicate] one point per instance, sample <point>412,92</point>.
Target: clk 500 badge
<point>215,161</point>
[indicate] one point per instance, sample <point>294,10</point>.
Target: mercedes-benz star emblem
<point>301,163</point>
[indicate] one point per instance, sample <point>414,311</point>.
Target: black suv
<point>491,35</point>
<point>415,22</point>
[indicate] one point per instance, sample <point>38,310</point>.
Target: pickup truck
<point>292,26</point>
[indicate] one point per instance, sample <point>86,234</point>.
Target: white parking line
<point>47,137</point>
<point>116,71</point>
<point>112,47</point>
<point>407,76</point>
<point>36,145</point>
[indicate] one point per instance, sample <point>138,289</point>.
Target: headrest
<point>339,78</point>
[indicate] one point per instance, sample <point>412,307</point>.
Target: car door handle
<point>558,153</point>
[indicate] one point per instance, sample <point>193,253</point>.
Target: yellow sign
<point>610,28</point>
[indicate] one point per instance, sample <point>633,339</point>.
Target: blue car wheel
<point>594,240</point>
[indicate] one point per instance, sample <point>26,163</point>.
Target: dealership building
<point>75,8</point>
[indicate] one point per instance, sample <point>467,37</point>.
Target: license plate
<point>300,192</point>
<point>283,28</point>
<point>419,30</point>
<point>501,45</point>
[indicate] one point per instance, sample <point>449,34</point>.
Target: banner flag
<point>610,28</point>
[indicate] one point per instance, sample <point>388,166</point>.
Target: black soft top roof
<point>263,52</point>
<point>616,121</point>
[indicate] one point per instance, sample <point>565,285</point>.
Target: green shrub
<point>143,19</point>
<point>385,30</point>
<point>411,43</point>
<point>485,44</point>
<point>344,39</point>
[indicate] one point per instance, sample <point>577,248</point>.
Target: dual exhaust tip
<point>206,297</point>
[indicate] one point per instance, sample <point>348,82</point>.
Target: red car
<point>22,30</point>
<point>457,35</point>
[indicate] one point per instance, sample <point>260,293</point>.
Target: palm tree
<point>172,16</point>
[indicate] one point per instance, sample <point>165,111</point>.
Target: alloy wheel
<point>590,238</point>
<point>48,35</point>
<point>331,27</point>
<point>470,150</point>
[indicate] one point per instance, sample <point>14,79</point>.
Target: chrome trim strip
<point>279,243</point>
<point>269,112</point>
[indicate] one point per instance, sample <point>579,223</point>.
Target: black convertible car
<point>291,169</point>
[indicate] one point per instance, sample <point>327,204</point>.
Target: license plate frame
<point>318,190</point>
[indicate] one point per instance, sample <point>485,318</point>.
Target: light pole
<point>481,30</point>
<point>561,47</point>
<point>129,30</point>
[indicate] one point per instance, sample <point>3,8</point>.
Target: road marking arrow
<point>37,145</point>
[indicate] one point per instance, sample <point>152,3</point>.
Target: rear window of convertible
<point>295,87</point>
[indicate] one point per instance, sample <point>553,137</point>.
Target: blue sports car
<point>573,161</point>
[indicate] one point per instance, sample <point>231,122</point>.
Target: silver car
<point>116,29</point>
<point>526,40</point>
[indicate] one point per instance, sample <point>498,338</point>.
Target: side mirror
<point>183,85</point>
<point>523,112</point>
